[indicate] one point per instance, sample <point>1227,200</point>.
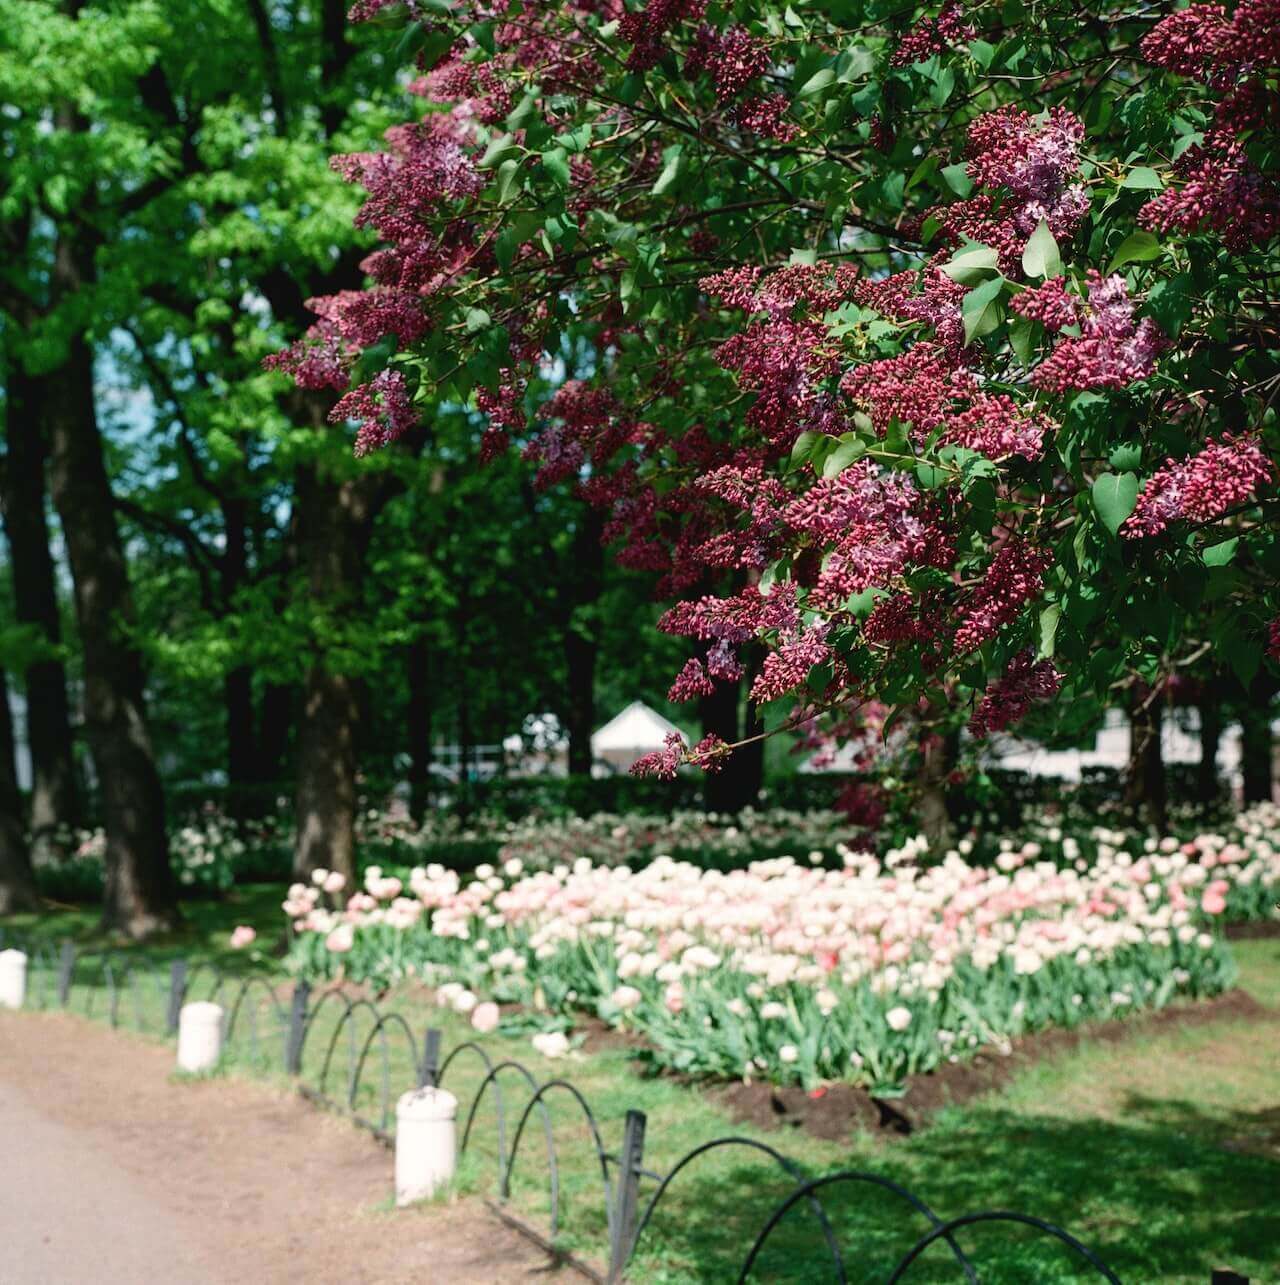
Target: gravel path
<point>110,1173</point>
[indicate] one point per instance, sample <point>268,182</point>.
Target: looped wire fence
<point>351,1056</point>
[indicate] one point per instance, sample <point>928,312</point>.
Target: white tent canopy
<point>634,731</point>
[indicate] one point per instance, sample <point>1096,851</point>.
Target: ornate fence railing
<point>348,1054</point>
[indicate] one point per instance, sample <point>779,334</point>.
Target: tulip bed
<point>848,966</point>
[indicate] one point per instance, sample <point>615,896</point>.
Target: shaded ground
<point>113,1172</point>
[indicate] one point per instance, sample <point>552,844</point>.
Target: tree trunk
<point>1145,791</point>
<point>335,523</point>
<point>326,789</point>
<point>17,882</point>
<point>54,797</point>
<point>418,726</point>
<point>275,720</point>
<point>1207,783</point>
<point>737,784</point>
<point>581,639</point>
<point>140,896</point>
<point>237,696</point>
<point>1256,746</point>
<point>937,758</point>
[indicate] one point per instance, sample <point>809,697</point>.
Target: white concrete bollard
<point>13,978</point>
<point>426,1143</point>
<point>199,1036</point>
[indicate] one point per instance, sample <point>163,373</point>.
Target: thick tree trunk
<point>581,639</point>
<point>737,784</point>
<point>1256,746</point>
<point>326,790</point>
<point>17,882</point>
<point>335,523</point>
<point>937,758</point>
<point>54,797</point>
<point>1210,738</point>
<point>275,720</point>
<point>140,896</point>
<point>237,696</point>
<point>418,726</point>
<point>1145,789</point>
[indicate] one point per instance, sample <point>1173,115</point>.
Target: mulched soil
<point>842,1107</point>
<point>1261,930</point>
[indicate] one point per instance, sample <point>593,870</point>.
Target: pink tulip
<point>243,936</point>
<point>485,1017</point>
<point>1213,903</point>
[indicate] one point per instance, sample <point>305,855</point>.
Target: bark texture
<point>140,896</point>
<point>1145,789</point>
<point>55,808</point>
<point>17,881</point>
<point>335,518</point>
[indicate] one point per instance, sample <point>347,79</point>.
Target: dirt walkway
<point>112,1175</point>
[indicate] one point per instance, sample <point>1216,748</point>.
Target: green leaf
<point>982,53</point>
<point>1218,555</point>
<point>498,151</point>
<point>555,160</point>
<point>972,263</point>
<point>477,319</point>
<point>1114,497</point>
<point>524,111</point>
<point>1126,456</point>
<point>807,257</point>
<point>803,448</point>
<point>1041,257</point>
<point>1137,247</point>
<point>981,309</point>
<point>1144,178</point>
<point>1171,302</point>
<point>816,83</point>
<point>930,476</point>
<point>1022,339</point>
<point>507,180</point>
<point>1049,618</point>
<point>957,179</point>
<point>845,453</point>
<point>671,171</point>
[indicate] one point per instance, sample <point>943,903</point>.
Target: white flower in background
<point>626,997</point>
<point>788,1053</point>
<point>899,1018</point>
<point>318,876</point>
<point>772,1010</point>
<point>551,1044</point>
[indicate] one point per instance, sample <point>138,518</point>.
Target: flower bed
<point>793,972</point>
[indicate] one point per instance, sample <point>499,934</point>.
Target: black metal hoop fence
<point>349,1055</point>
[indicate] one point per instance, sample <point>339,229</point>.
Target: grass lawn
<point>1162,1152</point>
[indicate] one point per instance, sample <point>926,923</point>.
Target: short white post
<point>426,1143</point>
<point>13,978</point>
<point>199,1036</point>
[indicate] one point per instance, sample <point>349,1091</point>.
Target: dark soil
<point>832,1113</point>
<point>1259,930</point>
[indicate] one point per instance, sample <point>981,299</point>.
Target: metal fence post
<point>66,965</point>
<point>626,1211</point>
<point>297,1027</point>
<point>177,993</point>
<point>429,1075</point>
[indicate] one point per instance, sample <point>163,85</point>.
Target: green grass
<point>1162,1152</point>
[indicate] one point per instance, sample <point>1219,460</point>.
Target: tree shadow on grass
<point>1151,1197</point>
